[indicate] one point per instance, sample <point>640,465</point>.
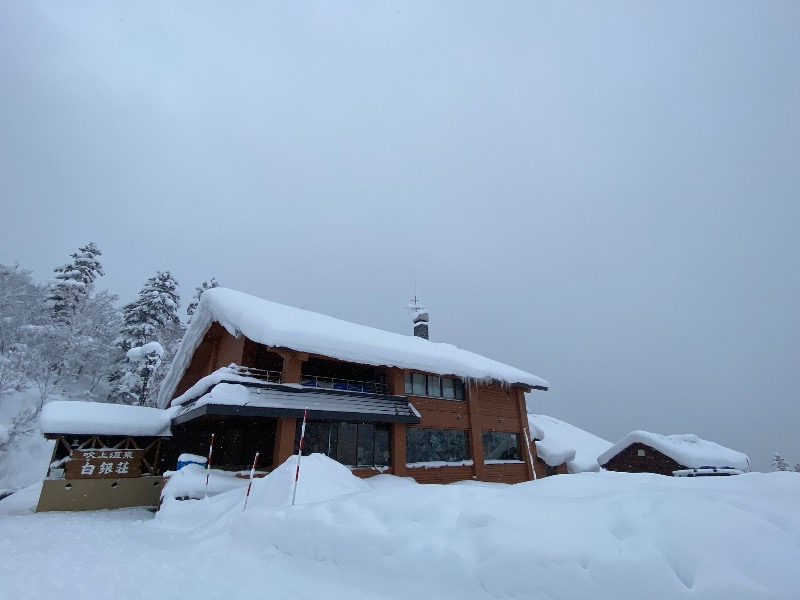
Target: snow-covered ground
<point>591,535</point>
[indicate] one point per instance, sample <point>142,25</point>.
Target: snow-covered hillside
<point>591,535</point>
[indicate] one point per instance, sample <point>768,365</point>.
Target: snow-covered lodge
<point>680,455</point>
<point>378,401</point>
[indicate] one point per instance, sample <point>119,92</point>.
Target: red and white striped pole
<point>249,485</point>
<point>208,462</point>
<point>299,454</point>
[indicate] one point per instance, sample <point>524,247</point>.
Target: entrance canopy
<point>275,400</point>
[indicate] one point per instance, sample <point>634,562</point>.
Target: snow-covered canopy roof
<point>104,419</point>
<point>687,450</point>
<point>565,443</point>
<point>278,325</point>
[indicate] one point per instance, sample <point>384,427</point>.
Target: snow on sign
<point>104,463</point>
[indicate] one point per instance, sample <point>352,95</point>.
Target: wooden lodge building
<point>378,402</point>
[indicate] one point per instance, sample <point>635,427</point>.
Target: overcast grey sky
<point>605,195</point>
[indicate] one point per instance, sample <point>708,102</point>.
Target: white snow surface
<point>64,416</point>
<point>278,325</point>
<point>601,535</point>
<point>686,449</point>
<point>562,442</point>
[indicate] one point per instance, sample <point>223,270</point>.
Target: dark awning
<point>286,401</point>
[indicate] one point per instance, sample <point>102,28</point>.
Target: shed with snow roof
<point>105,456</point>
<point>645,452</point>
<point>378,401</point>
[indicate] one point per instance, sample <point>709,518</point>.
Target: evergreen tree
<point>74,282</point>
<point>779,463</point>
<point>206,285</point>
<point>152,318</point>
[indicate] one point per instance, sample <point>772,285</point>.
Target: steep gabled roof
<point>687,450</point>
<point>278,325</point>
<point>562,442</point>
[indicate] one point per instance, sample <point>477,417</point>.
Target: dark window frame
<point>425,445</point>
<point>496,446</point>
<point>379,440</point>
<point>446,388</point>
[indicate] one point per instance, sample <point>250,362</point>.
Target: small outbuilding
<point>564,448</point>
<point>645,452</point>
<point>105,456</point>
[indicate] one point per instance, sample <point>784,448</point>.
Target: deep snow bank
<point>605,535</point>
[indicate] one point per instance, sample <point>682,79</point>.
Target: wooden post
<point>475,437</point>
<point>284,440</point>
<point>292,365</point>
<point>399,449</point>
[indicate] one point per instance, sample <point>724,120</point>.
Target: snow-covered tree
<point>74,282</point>
<point>153,317</point>
<point>779,463</point>
<point>206,285</point>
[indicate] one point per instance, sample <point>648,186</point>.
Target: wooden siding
<point>653,461</point>
<point>506,473</point>
<point>440,474</point>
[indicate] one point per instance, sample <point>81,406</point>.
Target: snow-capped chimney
<point>420,318</point>
<point>421,325</point>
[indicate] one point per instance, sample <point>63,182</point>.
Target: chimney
<point>420,318</point>
<point>421,325</point>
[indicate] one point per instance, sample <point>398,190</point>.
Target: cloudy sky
<point>606,195</point>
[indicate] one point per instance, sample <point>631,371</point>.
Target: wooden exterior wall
<point>486,407</point>
<point>653,461</point>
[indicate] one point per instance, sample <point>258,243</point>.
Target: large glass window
<point>352,444</point>
<point>436,445</point>
<point>501,445</point>
<point>434,386</point>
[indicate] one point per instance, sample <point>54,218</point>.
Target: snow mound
<point>599,536</point>
<point>562,442</point>
<point>685,449</point>
<point>321,478</point>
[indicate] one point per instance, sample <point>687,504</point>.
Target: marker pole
<point>208,462</point>
<point>530,454</point>
<point>299,454</point>
<point>249,485</point>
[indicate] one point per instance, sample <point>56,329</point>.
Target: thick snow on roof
<point>687,450</point>
<point>563,442</point>
<point>278,325</point>
<point>104,419</point>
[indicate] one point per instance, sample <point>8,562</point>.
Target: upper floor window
<point>433,386</point>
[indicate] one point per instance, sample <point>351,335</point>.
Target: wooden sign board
<point>104,463</point>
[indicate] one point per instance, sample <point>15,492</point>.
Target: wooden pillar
<point>475,438</point>
<point>284,440</point>
<point>396,381</point>
<point>523,426</point>
<point>399,450</point>
<point>292,364</point>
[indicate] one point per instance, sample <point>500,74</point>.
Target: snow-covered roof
<point>562,442</point>
<point>687,450</point>
<point>104,419</point>
<point>278,325</point>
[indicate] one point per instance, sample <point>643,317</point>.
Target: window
<point>436,445</point>
<point>352,444</point>
<point>501,445</point>
<point>433,386</point>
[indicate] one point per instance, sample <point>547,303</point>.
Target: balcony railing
<point>345,385</point>
<point>262,374</point>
